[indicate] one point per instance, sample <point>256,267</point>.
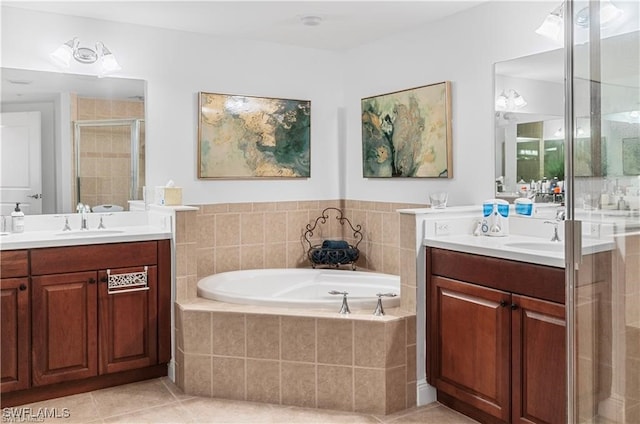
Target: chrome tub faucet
<point>84,210</point>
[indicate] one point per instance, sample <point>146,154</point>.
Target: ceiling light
<point>518,100</point>
<point>511,100</point>
<point>311,20</point>
<point>553,24</point>
<point>501,101</point>
<point>85,55</point>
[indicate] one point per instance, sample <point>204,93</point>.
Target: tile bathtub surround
<point>234,236</point>
<point>360,365</point>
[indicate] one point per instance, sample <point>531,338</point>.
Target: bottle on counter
<point>17,219</point>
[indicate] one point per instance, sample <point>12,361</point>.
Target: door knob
<point>35,196</point>
<point>22,287</point>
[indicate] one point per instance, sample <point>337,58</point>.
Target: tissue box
<point>168,196</point>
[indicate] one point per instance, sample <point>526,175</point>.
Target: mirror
<point>90,143</point>
<point>529,120</point>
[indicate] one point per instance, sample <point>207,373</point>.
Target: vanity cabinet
<point>100,316</point>
<point>496,337</point>
<point>15,323</point>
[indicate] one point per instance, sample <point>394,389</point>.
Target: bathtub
<point>301,288</point>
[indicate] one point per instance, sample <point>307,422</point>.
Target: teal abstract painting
<point>408,133</point>
<point>253,137</point>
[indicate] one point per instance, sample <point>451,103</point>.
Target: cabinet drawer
<point>539,281</point>
<point>14,263</point>
<point>58,260</point>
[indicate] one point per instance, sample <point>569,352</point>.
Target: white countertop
<point>48,238</point>
<point>501,247</point>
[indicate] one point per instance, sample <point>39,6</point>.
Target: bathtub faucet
<point>379,310</point>
<point>344,309</point>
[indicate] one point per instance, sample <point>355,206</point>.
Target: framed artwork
<point>408,133</point>
<point>631,156</point>
<point>253,137</point>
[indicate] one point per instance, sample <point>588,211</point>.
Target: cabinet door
<point>14,333</point>
<point>472,344</point>
<point>128,322</point>
<point>64,331</point>
<point>539,361</point>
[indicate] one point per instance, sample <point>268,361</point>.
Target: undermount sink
<point>542,246</point>
<point>89,233</point>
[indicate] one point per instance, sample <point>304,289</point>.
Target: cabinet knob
<point>104,279</point>
<point>92,280</point>
<point>23,287</point>
<point>514,306</point>
<point>503,303</point>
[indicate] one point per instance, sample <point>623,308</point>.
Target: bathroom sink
<point>4,234</point>
<point>89,233</point>
<point>542,246</point>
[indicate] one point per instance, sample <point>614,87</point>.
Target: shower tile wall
<point>235,236</point>
<point>105,156</point>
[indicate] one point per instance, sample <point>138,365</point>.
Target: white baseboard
<point>612,408</point>
<point>171,370</point>
<point>426,393</point>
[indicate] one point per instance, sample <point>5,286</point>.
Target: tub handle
<point>344,309</point>
<point>379,309</point>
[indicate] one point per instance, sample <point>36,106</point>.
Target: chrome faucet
<point>84,210</point>
<point>555,223</point>
<point>344,309</point>
<point>379,310</point>
<point>561,214</point>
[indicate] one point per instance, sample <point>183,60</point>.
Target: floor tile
<point>173,413</point>
<point>131,398</point>
<point>432,414</point>
<point>74,409</point>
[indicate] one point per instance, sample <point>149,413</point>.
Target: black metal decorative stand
<point>333,252</point>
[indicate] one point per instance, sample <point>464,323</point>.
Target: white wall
<point>177,65</point>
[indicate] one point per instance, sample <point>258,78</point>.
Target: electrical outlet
<point>443,228</point>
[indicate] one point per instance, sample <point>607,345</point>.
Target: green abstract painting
<point>253,137</point>
<point>408,133</point>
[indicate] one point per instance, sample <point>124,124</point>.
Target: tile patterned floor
<point>160,401</point>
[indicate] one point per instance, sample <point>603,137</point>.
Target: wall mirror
<point>529,118</point>
<point>69,138</point>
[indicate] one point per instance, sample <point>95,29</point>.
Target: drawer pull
<point>514,306</point>
<point>22,287</point>
<point>91,281</point>
<point>127,282</point>
<point>503,303</point>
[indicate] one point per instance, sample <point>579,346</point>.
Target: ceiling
<point>344,25</point>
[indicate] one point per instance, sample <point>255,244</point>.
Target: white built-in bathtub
<point>301,288</point>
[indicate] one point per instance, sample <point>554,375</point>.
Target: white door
<point>20,162</point>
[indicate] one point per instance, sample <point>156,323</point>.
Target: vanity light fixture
<point>553,24</point>
<point>71,49</point>
<point>510,100</point>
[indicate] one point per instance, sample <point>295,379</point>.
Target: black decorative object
<point>333,252</point>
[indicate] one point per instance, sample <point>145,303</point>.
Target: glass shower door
<point>603,211</point>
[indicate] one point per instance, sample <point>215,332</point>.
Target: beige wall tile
<point>263,381</point>
<point>335,341</point>
<point>228,334</point>
<point>408,267</point>
<point>395,388</point>
<point>411,330</point>
<point>408,298</point>
<point>215,208</point>
<point>228,229</point>
<point>240,207</point>
<point>411,363</point>
<point>369,344</point>
<point>275,255</point>
<point>298,384</point>
<point>369,394</point>
<point>275,227</point>
<point>252,256</point>
<point>205,258</point>
<point>196,332</point>
<point>297,255</point>
<point>228,378</point>
<point>391,229</point>
<point>395,343</point>
<point>252,228</point>
<point>206,230</point>
<point>197,374</point>
<point>335,387</point>
<point>298,338</point>
<point>391,260</point>
<point>375,258</point>
<point>227,259</point>
<point>264,206</point>
<point>374,226</point>
<point>407,231</point>
<point>287,206</point>
<point>263,339</point>
<point>296,224</point>
<point>412,395</point>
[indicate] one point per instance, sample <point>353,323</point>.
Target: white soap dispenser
<point>17,219</point>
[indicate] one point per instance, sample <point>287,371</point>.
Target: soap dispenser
<point>17,219</point>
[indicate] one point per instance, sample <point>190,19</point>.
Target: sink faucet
<point>561,214</point>
<point>555,223</point>
<point>83,210</point>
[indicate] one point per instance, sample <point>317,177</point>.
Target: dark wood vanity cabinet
<point>496,337</point>
<point>15,323</point>
<point>84,331</point>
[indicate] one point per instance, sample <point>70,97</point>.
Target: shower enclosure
<point>109,161</point>
<point>603,200</point>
